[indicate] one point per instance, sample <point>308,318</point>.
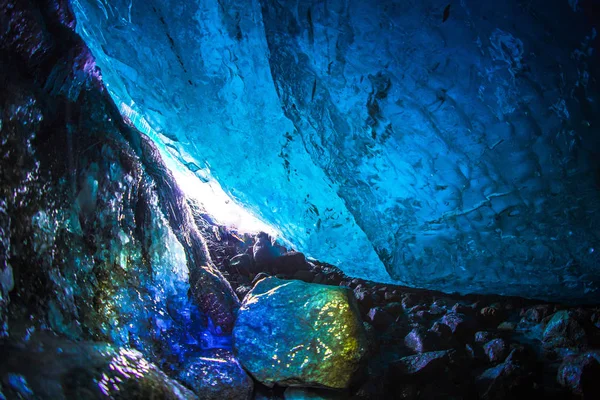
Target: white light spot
<point>209,194</point>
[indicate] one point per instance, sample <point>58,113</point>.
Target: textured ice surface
<point>457,155</point>
<point>200,185</point>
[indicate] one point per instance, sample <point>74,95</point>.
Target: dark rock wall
<point>96,238</point>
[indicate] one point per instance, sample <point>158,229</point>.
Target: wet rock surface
<point>495,350</point>
<point>418,340</point>
<point>216,375</point>
<point>104,245</point>
<point>506,381</point>
<point>61,369</point>
<point>95,215</point>
<point>97,241</point>
<point>564,331</point>
<point>433,345</point>
<point>581,374</point>
<point>292,333</point>
<point>421,366</point>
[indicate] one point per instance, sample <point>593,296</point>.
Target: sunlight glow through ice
<point>209,194</point>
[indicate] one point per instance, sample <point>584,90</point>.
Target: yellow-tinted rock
<point>295,333</point>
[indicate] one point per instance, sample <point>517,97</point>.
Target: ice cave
<point>299,199</point>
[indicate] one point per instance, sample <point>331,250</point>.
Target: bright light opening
<point>207,191</point>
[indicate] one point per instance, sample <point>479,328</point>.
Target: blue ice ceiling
<point>455,151</point>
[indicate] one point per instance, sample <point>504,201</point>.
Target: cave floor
<point>421,345</point>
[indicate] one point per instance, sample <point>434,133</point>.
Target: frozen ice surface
<point>457,155</point>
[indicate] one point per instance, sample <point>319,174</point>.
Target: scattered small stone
<point>363,297</point>
<point>422,315</point>
<point>392,297</point>
<point>319,278</point>
<point>484,336</point>
<point>470,351</point>
<point>409,300</point>
<point>463,309</point>
<point>290,263</point>
<point>438,307</point>
<point>379,318</point>
<point>371,335</point>
<point>581,375</point>
<point>259,276</point>
<point>536,314</point>
<point>441,330</point>
<point>417,340</point>
<point>520,355</point>
<point>242,290</point>
<point>217,375</point>
<point>243,264</point>
<point>263,250</point>
<point>459,324</point>
<point>305,276</point>
<point>422,366</point>
<point>507,326</point>
<point>334,279</point>
<point>508,380</point>
<point>496,350</point>
<point>563,330</point>
<point>394,309</point>
<point>491,316</point>
<point>417,308</point>
<point>442,337</point>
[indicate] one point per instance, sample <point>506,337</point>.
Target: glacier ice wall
<point>455,153</point>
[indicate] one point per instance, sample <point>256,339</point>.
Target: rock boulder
<point>217,375</point>
<point>293,333</point>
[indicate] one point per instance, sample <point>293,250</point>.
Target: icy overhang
<point>459,155</point>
